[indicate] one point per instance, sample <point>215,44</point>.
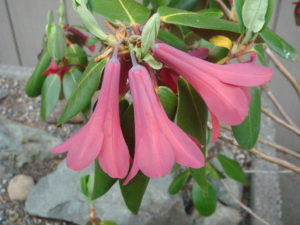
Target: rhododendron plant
<point>166,75</point>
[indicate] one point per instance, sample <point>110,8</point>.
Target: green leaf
<point>149,33</point>
<point>50,95</point>
<point>152,62</point>
<point>84,185</point>
<point>191,113</point>
<point>211,12</point>
<point>254,13</point>
<point>216,53</point>
<point>184,4</point>
<point>84,90</point>
<point>108,223</point>
<point>76,55</point>
<point>199,176</point>
<point>69,81</point>
<point>232,169</point>
<point>61,12</point>
<point>172,40</point>
<point>168,100</point>
<point>134,191</point>
<point>102,182</point>
<point>127,125</point>
<point>212,172</point>
<point>196,20</point>
<point>90,22</point>
<point>56,43</point>
<point>158,3</point>
<point>178,182</point>
<point>238,6</point>
<point>269,13</point>
<point>204,201</point>
<point>123,106</point>
<point>34,84</point>
<point>49,23</point>
<point>247,132</point>
<point>260,51</point>
<point>278,45</point>
<point>126,11</point>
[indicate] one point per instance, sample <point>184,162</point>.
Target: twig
<point>277,104</point>
<point>280,121</point>
<point>273,145</point>
<point>264,156</point>
<point>284,71</point>
<point>268,171</point>
<point>224,8</point>
<point>246,208</point>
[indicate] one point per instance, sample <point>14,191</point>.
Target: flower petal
<point>215,127</point>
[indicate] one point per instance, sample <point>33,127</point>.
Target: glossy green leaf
<point>56,43</point>
<point>238,6</point>
<point>128,11</point>
<point>260,51</point>
<point>134,191</point>
<point>152,62</point>
<point>158,3</point>
<point>199,176</point>
<point>254,13</point>
<point>216,53</point>
<point>168,100</point>
<point>178,182</point>
<point>84,185</point>
<point>204,201</point>
<point>278,45</point>
<point>211,12</point>
<point>232,169</point>
<point>184,4</point>
<point>84,90</point>
<point>191,113</point>
<point>269,13</point>
<point>70,80</point>
<point>49,22</point>
<point>34,84</point>
<point>89,21</point>
<point>247,132</point>
<point>102,182</point>
<point>50,95</point>
<point>149,33</point>
<point>212,172</point>
<point>172,40</point>
<point>76,55</point>
<point>196,20</point>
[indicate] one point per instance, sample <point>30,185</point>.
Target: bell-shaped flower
<point>159,142</point>
<point>101,137</point>
<point>222,87</point>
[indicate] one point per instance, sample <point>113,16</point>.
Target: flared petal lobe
<point>101,136</point>
<point>159,142</point>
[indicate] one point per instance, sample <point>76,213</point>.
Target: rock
<point>57,196</point>
<point>223,216</point>
<point>24,144</point>
<point>3,93</point>
<point>19,187</point>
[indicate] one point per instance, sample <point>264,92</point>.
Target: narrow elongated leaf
<point>56,43</point>
<point>247,132</point>
<point>168,100</point>
<point>184,4</point>
<point>191,113</point>
<point>50,95</point>
<point>254,13</point>
<point>134,191</point>
<point>196,20</point>
<point>278,45</point>
<point>84,185</point>
<point>260,51</point>
<point>178,182</point>
<point>84,90</point>
<point>238,6</point>
<point>211,12</point>
<point>128,11</point>
<point>102,182</point>
<point>204,201</point>
<point>76,55</point>
<point>149,33</point>
<point>127,125</point>
<point>232,169</point>
<point>34,84</point>
<point>172,40</point>
<point>70,80</point>
<point>269,13</point>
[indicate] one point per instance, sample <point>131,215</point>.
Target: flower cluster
<point>159,142</point>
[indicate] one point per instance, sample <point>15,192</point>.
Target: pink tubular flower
<point>159,143</point>
<point>101,136</point>
<point>220,86</point>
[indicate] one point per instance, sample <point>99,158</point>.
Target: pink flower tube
<point>220,86</point>
<point>101,137</point>
<point>159,143</point>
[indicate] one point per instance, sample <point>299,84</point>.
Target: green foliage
<point>76,55</point>
<point>34,84</point>
<point>178,182</point>
<point>56,43</point>
<point>172,40</point>
<point>70,80</point>
<point>215,53</point>
<point>247,132</point>
<point>168,100</point>
<point>50,95</point>
<point>260,51</point>
<point>232,169</point>
<point>184,4</point>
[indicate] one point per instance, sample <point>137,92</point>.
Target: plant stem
<point>224,8</point>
